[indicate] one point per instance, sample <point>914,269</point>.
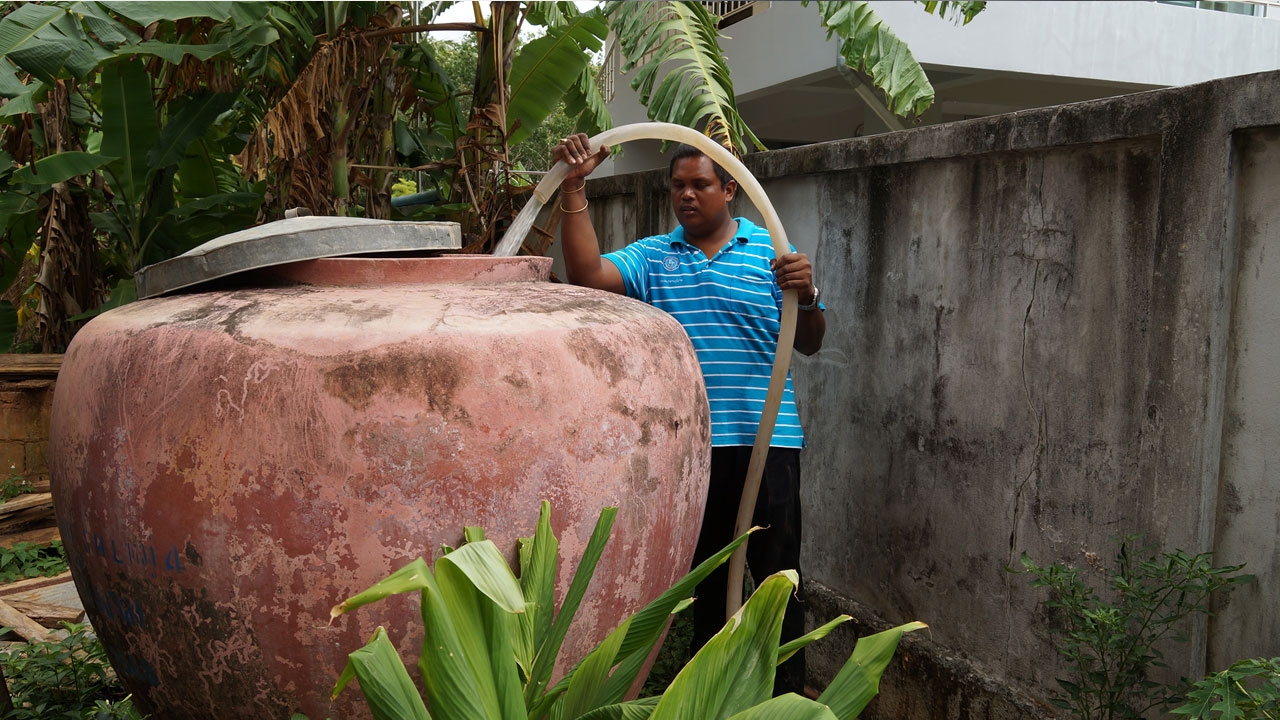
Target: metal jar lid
<point>292,240</point>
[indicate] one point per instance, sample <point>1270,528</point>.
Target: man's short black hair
<point>684,150</point>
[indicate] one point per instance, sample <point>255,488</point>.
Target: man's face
<point>700,202</point>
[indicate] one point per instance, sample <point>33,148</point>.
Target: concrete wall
<point>1046,329</point>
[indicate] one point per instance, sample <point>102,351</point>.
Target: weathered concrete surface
<point>1036,327</point>
<point>925,680</point>
<point>1249,503</point>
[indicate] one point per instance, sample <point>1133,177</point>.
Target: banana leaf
<point>24,103</point>
<point>868,45</point>
<point>10,85</point>
<point>49,43</point>
<point>645,629</point>
<point>477,586</point>
<point>384,681</point>
<point>787,650</point>
<point>43,60</point>
<point>60,168</point>
<point>539,558</point>
<point>584,690</point>
<point>145,13</point>
<point>129,127</point>
<point>437,90</point>
<point>546,68</point>
<point>584,104</point>
<point>173,52</point>
<point>124,292</point>
<point>189,124</point>
<point>787,707</point>
<point>547,652</point>
<point>699,90</point>
<point>735,670</point>
<point>25,24</point>
<point>104,26</point>
<point>190,208</point>
<point>552,14</point>
<point>859,680</point>
<point>634,710</point>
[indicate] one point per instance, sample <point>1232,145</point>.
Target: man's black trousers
<point>775,548</point>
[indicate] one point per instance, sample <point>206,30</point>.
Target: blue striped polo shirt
<point>730,306</point>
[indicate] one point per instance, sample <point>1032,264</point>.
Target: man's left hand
<point>794,272</point>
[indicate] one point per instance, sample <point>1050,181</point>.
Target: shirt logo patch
<point>670,263</point>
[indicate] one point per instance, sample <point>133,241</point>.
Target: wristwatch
<point>813,305</point>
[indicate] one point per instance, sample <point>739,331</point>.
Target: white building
<point>793,87</point>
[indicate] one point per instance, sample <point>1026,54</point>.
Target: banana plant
<point>333,99</point>
<point>650,35</point>
<point>419,118</point>
<point>868,45</point>
<point>653,36</point>
<point>491,640</point>
<point>108,138</point>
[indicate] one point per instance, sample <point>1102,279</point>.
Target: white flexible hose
<point>546,189</point>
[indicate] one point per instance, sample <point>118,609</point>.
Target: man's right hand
<point>575,151</point>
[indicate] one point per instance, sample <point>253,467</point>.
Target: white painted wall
<point>1135,42</point>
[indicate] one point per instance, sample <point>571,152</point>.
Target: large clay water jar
<point>228,464</point>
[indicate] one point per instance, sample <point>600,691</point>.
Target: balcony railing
<point>1254,8</point>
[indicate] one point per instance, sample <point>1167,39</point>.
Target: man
<point>719,277</point>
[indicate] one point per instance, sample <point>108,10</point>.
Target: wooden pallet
<point>34,608</point>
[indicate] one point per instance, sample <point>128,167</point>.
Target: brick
<point>24,414</point>
<point>36,459</point>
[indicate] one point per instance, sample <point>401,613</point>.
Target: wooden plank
<point>63,594</point>
<point>38,483</point>
<point>29,519</point>
<point>33,583</point>
<point>22,502</point>
<point>29,365</point>
<point>23,625</point>
<point>41,536</point>
<point>10,383</point>
<point>46,614</point>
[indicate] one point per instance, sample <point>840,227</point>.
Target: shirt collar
<point>745,229</point>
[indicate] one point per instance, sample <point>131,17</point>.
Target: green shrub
<point>1248,690</point>
<point>491,640</point>
<point>70,678</point>
<point>1111,642</point>
<point>28,560</point>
